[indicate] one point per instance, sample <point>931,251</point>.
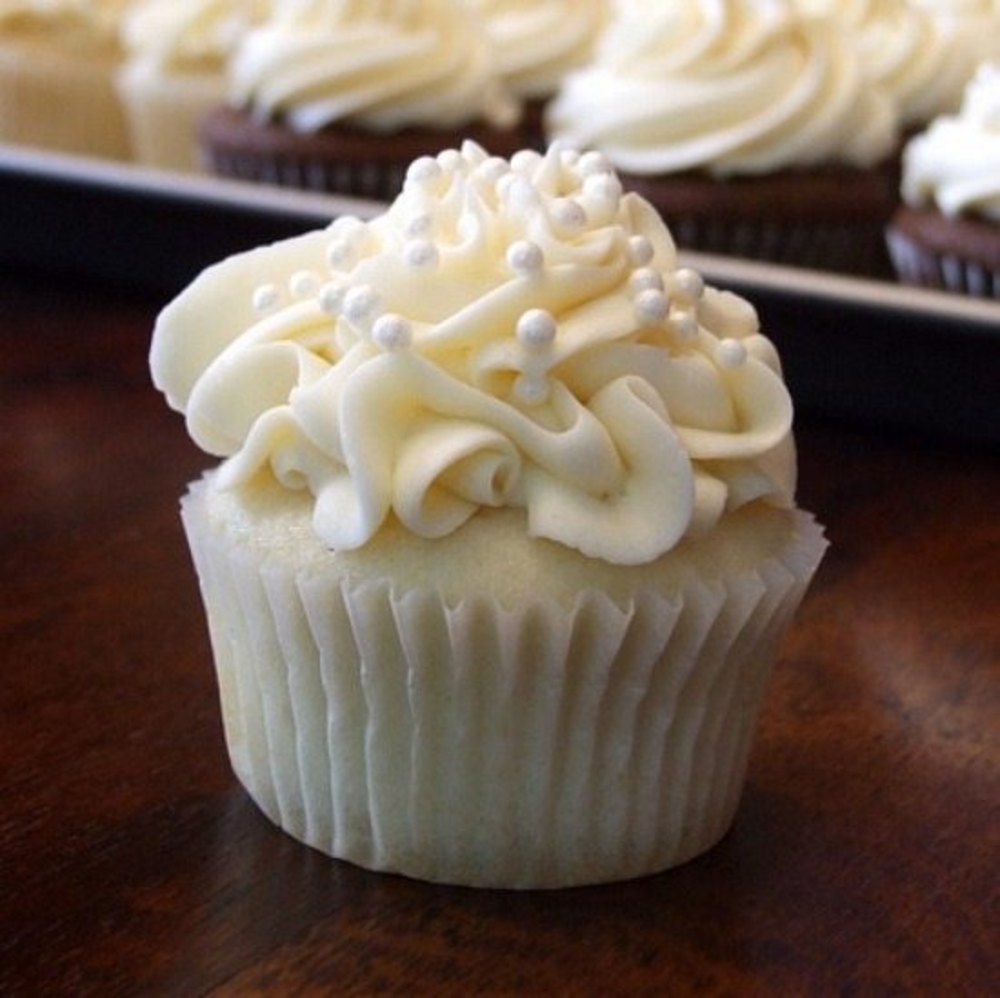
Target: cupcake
<point>503,538</point>
<point>537,43</point>
<point>750,126</point>
<point>921,52</point>
<point>58,60</point>
<point>342,97</point>
<point>946,233</point>
<point>175,71</point>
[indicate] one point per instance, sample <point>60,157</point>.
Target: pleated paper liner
<point>474,744</point>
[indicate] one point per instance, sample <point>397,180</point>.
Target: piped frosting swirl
<point>507,334</point>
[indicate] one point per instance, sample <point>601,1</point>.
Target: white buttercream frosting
<point>188,34</point>
<point>508,334</point>
<point>381,66</point>
<point>727,86</point>
<point>921,52</point>
<point>537,42</point>
<point>955,164</point>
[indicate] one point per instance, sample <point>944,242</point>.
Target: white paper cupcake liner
<point>480,746</point>
<point>943,271</point>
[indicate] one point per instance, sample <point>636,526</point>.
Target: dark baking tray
<point>853,349</point>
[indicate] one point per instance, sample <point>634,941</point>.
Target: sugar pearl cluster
<point>547,207</point>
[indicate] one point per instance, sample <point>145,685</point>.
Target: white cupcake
<point>58,60</point>
<point>175,70</point>
<point>504,538</point>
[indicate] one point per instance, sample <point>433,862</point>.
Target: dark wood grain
<point>863,860</point>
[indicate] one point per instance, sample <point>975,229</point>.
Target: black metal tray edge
<point>852,348</point>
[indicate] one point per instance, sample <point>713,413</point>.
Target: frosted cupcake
<point>921,52</point>
<point>537,44</point>
<point>503,539</point>
<point>947,232</point>
<point>175,71</point>
<point>752,127</point>
<point>58,60</point>
<point>343,96</point>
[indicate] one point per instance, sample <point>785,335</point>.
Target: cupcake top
<point>955,165</point>
<point>537,42</point>
<point>188,34</point>
<point>508,334</point>
<point>725,86</point>
<point>921,52</point>
<point>380,66</point>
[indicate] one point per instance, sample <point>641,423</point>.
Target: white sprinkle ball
<point>419,224</point>
<point>684,323</point>
<point>569,157</point>
<point>304,284</point>
<point>525,258</point>
<point>360,303</point>
<point>392,332</point>
<point>689,283</point>
<point>640,250</point>
<point>645,279</point>
<point>340,254</point>
<point>421,254</point>
<point>265,297</point>
<point>730,353</point>
<point>348,227</point>
<point>568,215</point>
<point>651,306</point>
<point>331,298</point>
<point>536,328</point>
<point>603,187</point>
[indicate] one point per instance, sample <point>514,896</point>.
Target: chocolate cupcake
<point>946,234</point>
<point>342,98</point>
<point>751,127</point>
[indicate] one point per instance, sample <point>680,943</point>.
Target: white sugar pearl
<point>265,297</point>
<point>536,328</point>
<point>568,215</point>
<point>604,187</point>
<point>730,353</point>
<point>651,306</point>
<point>392,332</point>
<point>304,284</point>
<point>525,160</point>
<point>331,298</point>
<point>645,279</point>
<point>421,253</point>
<point>640,250</point>
<point>684,323</point>
<point>360,303</point>
<point>689,283</point>
<point>419,225</point>
<point>340,254</point>
<point>524,257</point>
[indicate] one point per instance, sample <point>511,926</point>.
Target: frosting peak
<point>507,334</point>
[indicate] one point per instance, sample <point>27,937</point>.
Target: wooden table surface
<point>864,857</point>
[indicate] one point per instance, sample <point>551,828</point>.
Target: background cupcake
<point>537,42</point>
<point>58,60</point>
<point>921,52</point>
<point>175,70</point>
<point>753,129</point>
<point>504,537</point>
<point>342,97</point>
<point>947,232</point>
